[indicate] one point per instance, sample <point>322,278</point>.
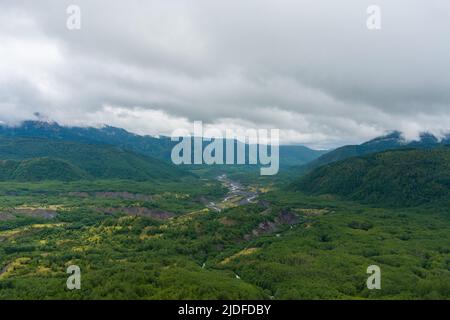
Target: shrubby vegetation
<point>246,252</point>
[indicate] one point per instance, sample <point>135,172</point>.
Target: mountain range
<point>156,147</point>
<point>36,150</point>
<point>391,141</point>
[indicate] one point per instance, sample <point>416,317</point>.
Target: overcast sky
<point>309,68</point>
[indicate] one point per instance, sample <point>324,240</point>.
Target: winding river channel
<point>237,195</point>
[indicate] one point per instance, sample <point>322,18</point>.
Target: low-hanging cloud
<point>310,68</point>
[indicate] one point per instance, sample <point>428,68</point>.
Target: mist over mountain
<point>394,140</point>
<point>147,145</point>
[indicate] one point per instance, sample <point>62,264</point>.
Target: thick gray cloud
<point>310,68</point>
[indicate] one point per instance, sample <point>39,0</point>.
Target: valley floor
<point>214,239</point>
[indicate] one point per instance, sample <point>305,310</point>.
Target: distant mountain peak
<point>396,136</point>
<point>39,123</point>
<point>389,141</point>
<point>42,117</point>
<point>399,138</point>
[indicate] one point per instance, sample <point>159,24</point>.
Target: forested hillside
<point>398,178</point>
<point>391,141</point>
<point>65,160</point>
<point>39,169</point>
